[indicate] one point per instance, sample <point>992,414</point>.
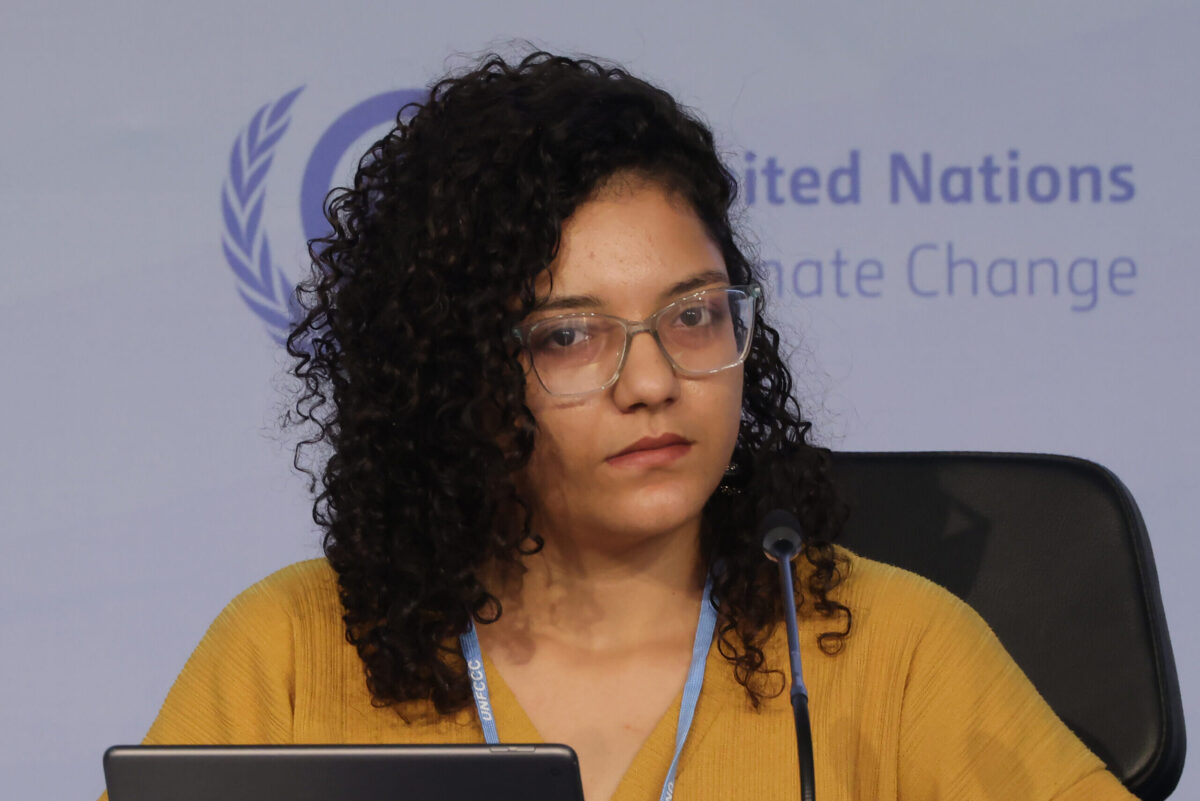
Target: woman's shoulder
<point>868,580</point>
<point>881,595</point>
<point>311,579</point>
<point>298,591</point>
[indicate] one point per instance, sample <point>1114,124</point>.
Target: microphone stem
<point>793,629</point>
<point>808,791</point>
<point>804,745</point>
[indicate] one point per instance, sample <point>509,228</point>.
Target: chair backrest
<point>1053,554</point>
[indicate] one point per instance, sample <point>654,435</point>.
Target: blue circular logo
<point>263,286</point>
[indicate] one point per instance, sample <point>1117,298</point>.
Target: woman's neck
<point>601,598</point>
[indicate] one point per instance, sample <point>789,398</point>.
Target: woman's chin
<point>626,517</point>
<point>652,513</point>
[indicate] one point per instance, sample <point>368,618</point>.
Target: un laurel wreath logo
<point>263,286</point>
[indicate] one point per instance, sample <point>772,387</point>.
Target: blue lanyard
<point>687,708</point>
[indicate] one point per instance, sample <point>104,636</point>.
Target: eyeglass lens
<point>700,334</point>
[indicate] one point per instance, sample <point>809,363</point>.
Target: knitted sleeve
<point>974,727</point>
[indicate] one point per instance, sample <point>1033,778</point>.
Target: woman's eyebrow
<point>569,302</point>
<point>697,281</point>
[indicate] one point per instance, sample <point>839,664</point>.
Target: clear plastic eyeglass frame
<point>751,295</point>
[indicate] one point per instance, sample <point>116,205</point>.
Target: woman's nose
<point>647,379</point>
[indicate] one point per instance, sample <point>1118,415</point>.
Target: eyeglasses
<point>699,334</point>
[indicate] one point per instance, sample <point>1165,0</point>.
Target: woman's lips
<point>652,457</point>
<point>651,452</point>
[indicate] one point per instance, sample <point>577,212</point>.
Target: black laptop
<point>545,772</point>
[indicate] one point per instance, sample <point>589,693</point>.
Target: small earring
<point>725,488</point>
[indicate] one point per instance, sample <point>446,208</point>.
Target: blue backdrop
<point>979,225</point>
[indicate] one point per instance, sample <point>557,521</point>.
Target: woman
<point>519,485</point>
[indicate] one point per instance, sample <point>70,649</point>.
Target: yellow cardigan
<point>922,703</point>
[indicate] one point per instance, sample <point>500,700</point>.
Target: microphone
<point>782,542</point>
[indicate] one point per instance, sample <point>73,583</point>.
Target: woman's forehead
<point>637,243</point>
<point>558,301</point>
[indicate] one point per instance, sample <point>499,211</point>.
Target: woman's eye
<point>560,338</point>
<point>564,337</point>
<point>694,316</point>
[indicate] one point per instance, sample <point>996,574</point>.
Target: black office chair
<point>1053,554</point>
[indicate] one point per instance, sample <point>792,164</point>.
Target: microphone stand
<point>804,745</point>
<point>782,541</point>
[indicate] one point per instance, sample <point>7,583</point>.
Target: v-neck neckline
<point>643,779</point>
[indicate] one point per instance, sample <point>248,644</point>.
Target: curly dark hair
<point>412,388</point>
